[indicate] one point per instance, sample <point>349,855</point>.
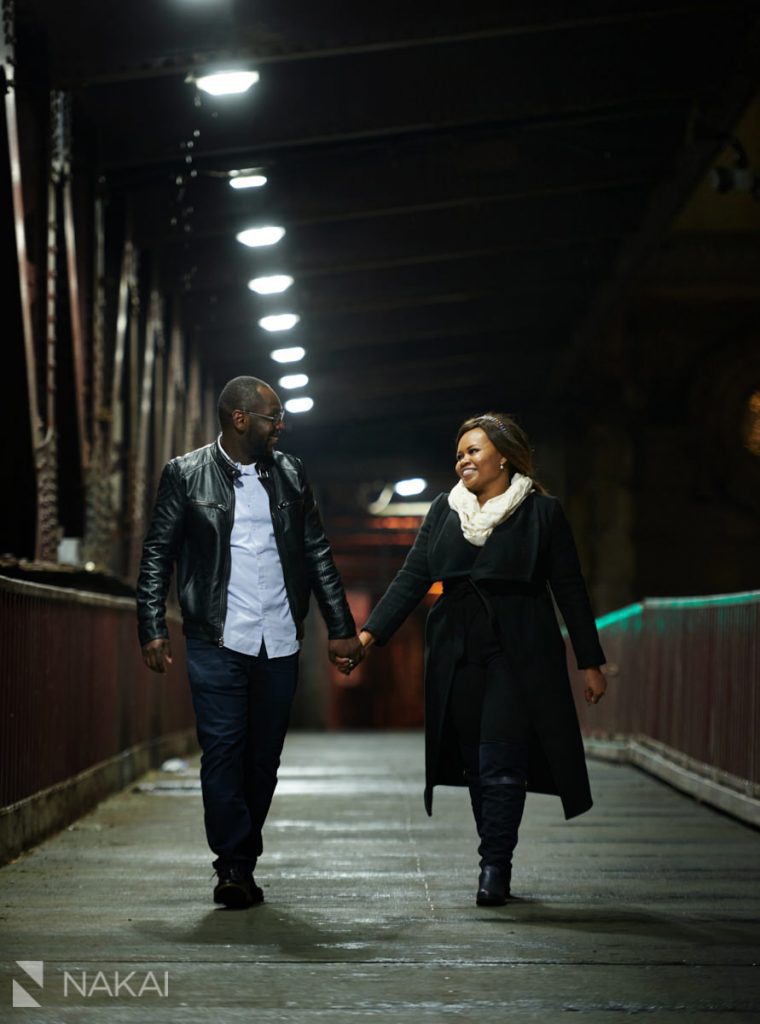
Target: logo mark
<point>35,970</point>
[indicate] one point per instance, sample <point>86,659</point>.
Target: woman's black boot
<point>471,763</point>
<point>503,776</point>
<point>493,886</point>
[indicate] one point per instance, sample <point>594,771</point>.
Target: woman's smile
<point>480,465</point>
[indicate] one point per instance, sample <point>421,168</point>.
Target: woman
<point>499,712</point>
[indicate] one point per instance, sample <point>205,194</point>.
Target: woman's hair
<point>509,438</point>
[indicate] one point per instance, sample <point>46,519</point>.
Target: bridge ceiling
<point>463,186</point>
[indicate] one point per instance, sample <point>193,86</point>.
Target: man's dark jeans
<point>242,706</point>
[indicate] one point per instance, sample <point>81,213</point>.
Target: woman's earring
<point>502,465</point>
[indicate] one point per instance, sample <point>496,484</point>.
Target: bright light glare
<point>279,321</point>
<point>288,355</point>
<point>227,83</point>
<point>406,488</point>
<point>293,380</point>
<point>299,404</point>
<point>270,285</point>
<point>269,235</point>
<point>248,181</point>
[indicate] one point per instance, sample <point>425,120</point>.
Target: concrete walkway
<point>647,905</point>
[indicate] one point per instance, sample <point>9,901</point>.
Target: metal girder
<point>551,140</point>
<point>48,528</point>
<point>158,402</point>
<point>44,433</point>
<point>63,132</point>
<point>266,53</point>
<point>47,507</point>
<point>322,269</point>
<point>142,418</point>
<point>130,453</point>
<point>128,306</point>
<point>710,128</point>
<point>193,407</point>
<point>99,513</point>
<point>413,133</point>
<point>175,388</point>
<point>475,201</point>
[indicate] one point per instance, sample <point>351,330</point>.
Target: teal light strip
<point>620,615</point>
<point>712,601</point>
<point>746,597</point>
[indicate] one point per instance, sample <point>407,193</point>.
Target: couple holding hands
<point>239,521</point>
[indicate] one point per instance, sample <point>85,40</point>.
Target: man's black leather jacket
<point>191,526</point>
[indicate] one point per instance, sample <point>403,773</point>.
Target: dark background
<point>488,206</point>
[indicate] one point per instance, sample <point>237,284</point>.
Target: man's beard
<point>261,449</point>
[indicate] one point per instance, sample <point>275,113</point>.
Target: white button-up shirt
<point>257,602</point>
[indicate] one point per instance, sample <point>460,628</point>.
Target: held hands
<point>595,685</point>
<point>157,654</point>
<point>347,662</point>
<point>345,653</point>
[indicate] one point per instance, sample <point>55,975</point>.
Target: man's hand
<point>596,685</point>
<point>157,654</point>
<point>345,653</point>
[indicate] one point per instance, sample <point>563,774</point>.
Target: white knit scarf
<point>479,521</point>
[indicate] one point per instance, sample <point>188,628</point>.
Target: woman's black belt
<point>460,586</point>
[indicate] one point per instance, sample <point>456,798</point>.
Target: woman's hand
<point>596,685</point>
<point>366,639</point>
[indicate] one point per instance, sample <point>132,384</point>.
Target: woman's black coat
<point>529,552</point>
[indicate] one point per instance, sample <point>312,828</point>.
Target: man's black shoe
<point>237,889</point>
<point>257,893</point>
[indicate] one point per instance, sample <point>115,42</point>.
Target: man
<point>239,520</point>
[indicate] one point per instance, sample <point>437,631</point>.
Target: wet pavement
<point>647,905</point>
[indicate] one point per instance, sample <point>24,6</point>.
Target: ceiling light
<point>288,355</point>
<point>293,380</point>
<point>270,285</point>
<point>268,235</point>
<point>383,505</point>
<point>227,83</point>
<point>299,404</point>
<point>238,180</point>
<point>279,321</point>
<point>406,488</point>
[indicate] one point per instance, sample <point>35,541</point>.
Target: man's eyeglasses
<point>278,417</point>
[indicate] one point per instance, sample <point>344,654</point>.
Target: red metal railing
<point>685,672</point>
<point>75,693</point>
<point>74,690</point>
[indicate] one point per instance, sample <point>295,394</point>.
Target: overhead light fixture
<point>268,235</point>
<point>288,355</point>
<point>406,488</point>
<point>227,83</point>
<point>384,505</point>
<point>247,179</point>
<point>299,404</point>
<point>271,285</point>
<point>279,321</point>
<point>293,380</point>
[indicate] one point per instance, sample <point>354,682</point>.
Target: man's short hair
<point>239,393</point>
